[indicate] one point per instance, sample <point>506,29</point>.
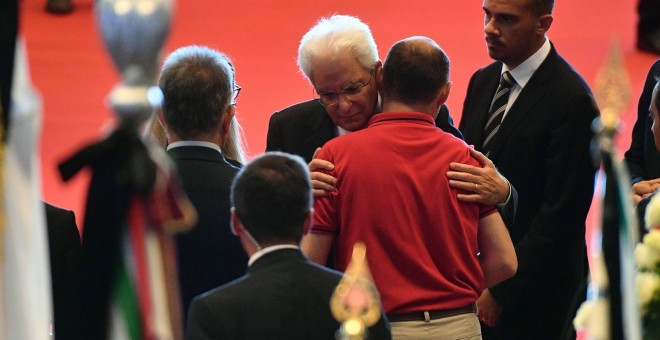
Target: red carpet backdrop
<point>74,74</point>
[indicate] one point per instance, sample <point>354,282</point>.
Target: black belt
<point>432,314</point>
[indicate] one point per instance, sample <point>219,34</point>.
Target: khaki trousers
<point>462,326</point>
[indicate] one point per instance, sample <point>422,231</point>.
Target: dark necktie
<point>497,109</point>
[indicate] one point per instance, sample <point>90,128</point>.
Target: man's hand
<point>322,184</point>
<point>488,308</point>
<point>642,189</point>
<point>487,185</point>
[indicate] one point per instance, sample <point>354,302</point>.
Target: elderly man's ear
<point>378,75</point>
<point>226,119</point>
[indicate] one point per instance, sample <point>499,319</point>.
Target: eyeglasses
<point>328,99</point>
<point>234,94</point>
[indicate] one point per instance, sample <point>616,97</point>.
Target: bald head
<point>415,70</point>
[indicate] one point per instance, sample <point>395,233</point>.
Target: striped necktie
<point>497,109</point>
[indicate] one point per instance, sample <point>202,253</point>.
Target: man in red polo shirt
<point>431,255</point>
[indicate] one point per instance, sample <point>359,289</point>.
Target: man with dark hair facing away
<point>283,295</point>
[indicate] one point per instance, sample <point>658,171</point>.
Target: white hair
<point>338,34</point>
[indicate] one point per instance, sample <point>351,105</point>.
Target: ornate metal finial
<point>612,89</point>
<point>610,311</point>
<point>355,302</point>
<point>134,32</point>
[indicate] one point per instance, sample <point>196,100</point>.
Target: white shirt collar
<point>523,72</point>
<point>341,131</point>
<point>194,143</point>
<point>270,249</point>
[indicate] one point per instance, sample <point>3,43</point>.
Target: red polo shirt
<point>393,195</point>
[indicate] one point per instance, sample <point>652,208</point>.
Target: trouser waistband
<point>432,314</point>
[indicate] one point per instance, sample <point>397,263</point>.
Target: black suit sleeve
<point>446,123</point>
<point>274,137</point>
<point>200,326</point>
<point>8,30</point>
<point>636,156</point>
<point>566,199</point>
<point>508,209</point>
<point>640,212</point>
<point>65,248</point>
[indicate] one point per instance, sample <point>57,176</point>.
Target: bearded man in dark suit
<point>541,145</point>
<point>283,295</point>
<point>198,105</point>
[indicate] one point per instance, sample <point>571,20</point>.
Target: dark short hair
<point>414,71</point>
<point>197,83</point>
<point>542,7</point>
<point>272,196</point>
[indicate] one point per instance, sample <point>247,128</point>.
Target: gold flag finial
<point>355,302</point>
<point>612,89</point>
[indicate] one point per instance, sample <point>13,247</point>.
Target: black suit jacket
<point>65,250</point>
<point>301,128</point>
<point>8,29</point>
<point>642,158</point>
<point>543,149</point>
<point>283,296</point>
<point>209,255</point>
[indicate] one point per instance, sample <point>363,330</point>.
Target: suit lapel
<point>320,127</point>
<point>525,103</point>
<point>485,86</point>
